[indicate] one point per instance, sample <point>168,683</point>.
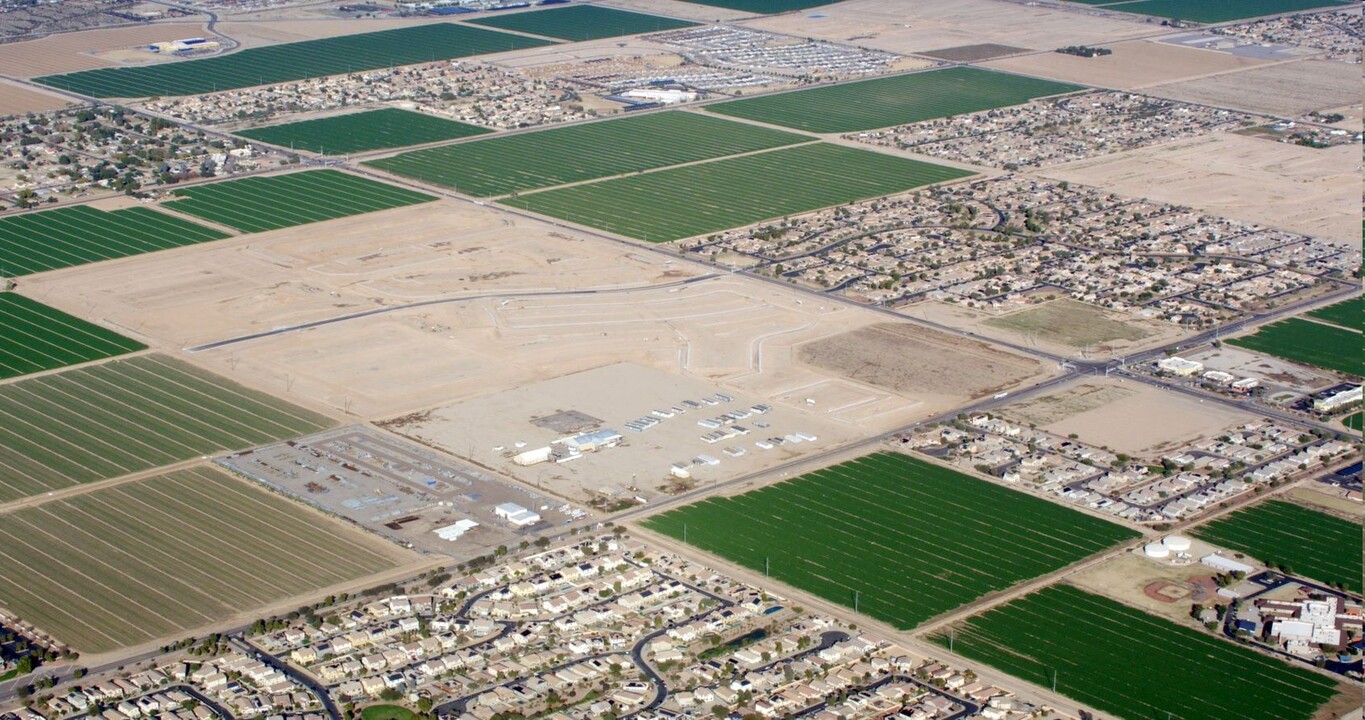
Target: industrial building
<point>516,514</point>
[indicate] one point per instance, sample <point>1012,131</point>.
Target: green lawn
<point>369,130</point>
<point>1315,545</point>
<point>38,337</point>
<point>270,202</point>
<point>1307,342</point>
<point>1347,313</point>
<point>1216,11</point>
<point>387,712</point>
<point>126,564</point>
<point>906,539</point>
<point>1117,659</point>
<point>293,61</point>
<point>545,158</point>
<point>126,416</point>
<point>581,22</point>
<point>895,100</point>
<point>1353,420</point>
<point>53,239</point>
<point>707,197</point>
<point>764,7</point>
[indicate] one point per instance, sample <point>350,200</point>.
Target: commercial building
<point>516,514</point>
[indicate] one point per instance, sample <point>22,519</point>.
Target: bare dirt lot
<point>901,27</point>
<point>257,33</point>
<point>1290,187</point>
<point>15,100</point>
<point>1134,64</point>
<point>74,51</point>
<point>1286,89</point>
<point>493,429</point>
<point>1275,374</point>
<point>679,9</point>
<point>911,360</point>
<point>1058,406</point>
<point>1062,327</point>
<point>972,53</point>
<point>1147,421</point>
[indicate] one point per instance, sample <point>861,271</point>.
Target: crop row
<point>697,199</point>
<point>1123,661</point>
<point>38,337</point>
<point>270,202</point>
<point>369,130</point>
<point>80,234</point>
<point>1308,342</point>
<point>1313,544</point>
<point>904,539</point>
<point>127,416</point>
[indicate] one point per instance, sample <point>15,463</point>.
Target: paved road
<point>298,676</point>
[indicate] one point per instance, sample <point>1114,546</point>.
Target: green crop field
<point>764,7</point>
<point>370,130</point>
<point>1119,660</point>
<point>292,61</point>
<point>38,337</point>
<point>35,242</point>
<point>1307,342</point>
<point>270,202</point>
<point>895,100</point>
<point>1214,11</point>
<point>582,22</point>
<point>707,197</point>
<point>526,161</point>
<point>142,560</point>
<point>1347,313</point>
<point>909,539</point>
<point>126,416</point>
<point>1315,545</point>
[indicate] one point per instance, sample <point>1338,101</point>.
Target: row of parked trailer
<point>656,416</point>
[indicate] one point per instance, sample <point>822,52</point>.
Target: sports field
<point>370,130</point>
<point>907,539</point>
<point>270,202</point>
<point>895,100</point>
<point>125,416</point>
<point>1120,660</point>
<point>142,560</point>
<point>35,242</point>
<point>1307,342</point>
<point>698,199</point>
<point>1347,313</point>
<point>1353,420</point>
<point>1068,322</point>
<point>582,22</point>
<point>38,337</point>
<point>526,161</point>
<point>1213,11</point>
<point>292,61</point>
<point>764,7</point>
<point>1315,545</point>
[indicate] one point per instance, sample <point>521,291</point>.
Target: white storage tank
<point>1156,551</point>
<point>1177,543</point>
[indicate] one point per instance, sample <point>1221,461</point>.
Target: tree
<point>25,665</point>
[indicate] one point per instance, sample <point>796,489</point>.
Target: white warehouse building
<point>516,514</point>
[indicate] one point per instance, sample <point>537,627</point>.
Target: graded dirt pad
<point>16,100</point>
<point>71,51</point>
<point>903,27</point>
<point>1134,64</point>
<point>1290,187</point>
<point>910,360</point>
<point>1287,89</point>
<point>511,320</point>
<point>1148,421</point>
<point>970,53</point>
<point>492,430</point>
